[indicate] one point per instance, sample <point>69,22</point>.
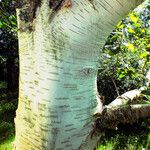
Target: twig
<point>116,88</point>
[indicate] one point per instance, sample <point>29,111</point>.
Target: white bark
<point>148,79</point>
<point>126,98</point>
<point>58,67</point>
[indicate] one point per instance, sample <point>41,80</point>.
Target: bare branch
<point>116,88</point>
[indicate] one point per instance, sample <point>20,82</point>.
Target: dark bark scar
<point>93,5</point>
<point>55,4</point>
<point>27,13</point>
<point>27,9</point>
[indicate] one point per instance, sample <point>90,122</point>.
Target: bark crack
<point>55,4</point>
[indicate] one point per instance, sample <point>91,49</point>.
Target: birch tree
<point>59,45</point>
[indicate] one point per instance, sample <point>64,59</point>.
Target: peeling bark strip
<point>28,9</point>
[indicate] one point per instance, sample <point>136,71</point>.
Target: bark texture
<point>111,117</point>
<point>59,46</point>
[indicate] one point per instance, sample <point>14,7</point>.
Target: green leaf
<point>143,55</point>
<point>121,76</point>
<point>131,47</point>
<point>133,18</point>
<point>130,30</point>
<point>111,53</point>
<point>120,25</point>
<point>1,24</point>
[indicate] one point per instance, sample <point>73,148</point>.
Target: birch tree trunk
<point>59,45</point>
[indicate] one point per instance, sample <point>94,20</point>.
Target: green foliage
<point>8,43</point>
<point>7,144</point>
<point>8,105</point>
<point>3,85</point>
<point>126,54</point>
<point>8,19</point>
<point>8,29</point>
<point>5,127</point>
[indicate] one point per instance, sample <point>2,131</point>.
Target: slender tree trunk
<point>59,46</point>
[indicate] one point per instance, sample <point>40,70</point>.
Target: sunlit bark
<point>59,53</point>
<point>126,98</point>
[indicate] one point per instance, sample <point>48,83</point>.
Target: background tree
<point>8,69</point>
<point>9,44</point>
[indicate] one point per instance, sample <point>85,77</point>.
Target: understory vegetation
<point>124,65</point>
<point>128,137</point>
<point>8,105</point>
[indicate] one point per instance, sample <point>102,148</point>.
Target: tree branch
<point>116,88</point>
<point>126,98</point>
<point>130,96</point>
<point>111,117</point>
